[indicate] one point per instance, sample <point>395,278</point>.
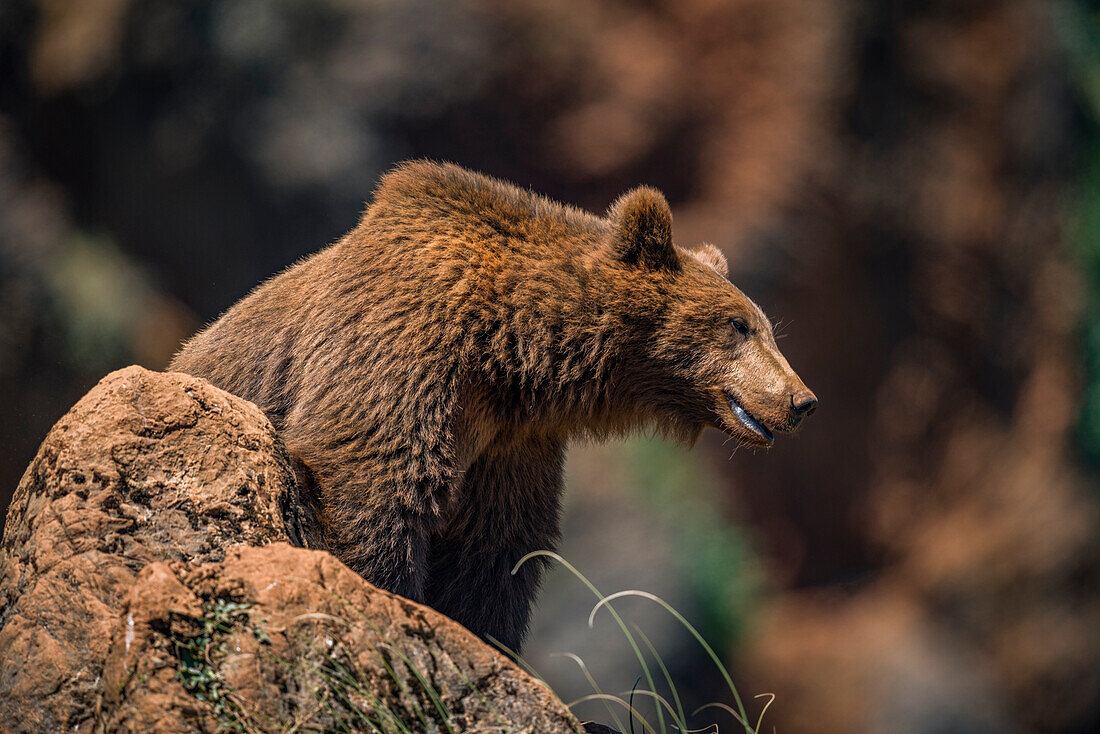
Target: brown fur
<point>430,367</point>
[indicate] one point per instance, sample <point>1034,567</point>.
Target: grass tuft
<point>679,720</point>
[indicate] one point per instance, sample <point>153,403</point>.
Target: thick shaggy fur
<point>430,367</point>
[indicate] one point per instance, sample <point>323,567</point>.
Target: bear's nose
<point>803,403</point>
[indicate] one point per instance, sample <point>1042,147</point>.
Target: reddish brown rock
<point>278,636</point>
<point>134,594</point>
<point>146,467</point>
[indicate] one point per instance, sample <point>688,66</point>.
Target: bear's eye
<point>740,327</point>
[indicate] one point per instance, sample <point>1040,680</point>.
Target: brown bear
<point>431,366</point>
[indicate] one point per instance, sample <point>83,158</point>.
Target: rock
<point>277,636</point>
<point>148,581</point>
<point>146,467</point>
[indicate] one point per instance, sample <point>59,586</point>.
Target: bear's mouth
<point>749,421</point>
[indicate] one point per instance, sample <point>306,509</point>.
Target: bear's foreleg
<point>377,515</point>
<point>385,543</point>
<point>509,505</point>
<point>384,470</point>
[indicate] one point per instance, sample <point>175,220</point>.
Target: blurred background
<point>911,188</point>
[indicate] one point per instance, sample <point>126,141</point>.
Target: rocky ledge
<point>152,579</point>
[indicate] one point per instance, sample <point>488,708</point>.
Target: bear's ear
<point>642,223</point>
<point>712,257</point>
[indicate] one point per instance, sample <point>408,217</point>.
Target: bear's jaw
<point>750,422</point>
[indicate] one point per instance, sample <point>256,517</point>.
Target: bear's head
<point>706,353</point>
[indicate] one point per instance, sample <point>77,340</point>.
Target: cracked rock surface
<point>149,581</point>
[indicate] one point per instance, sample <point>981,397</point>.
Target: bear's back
<point>439,260</point>
<point>423,205</point>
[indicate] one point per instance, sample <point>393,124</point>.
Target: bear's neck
<point>568,357</point>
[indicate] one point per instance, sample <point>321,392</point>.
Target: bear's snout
<point>803,403</point>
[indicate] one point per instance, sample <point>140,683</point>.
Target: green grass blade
<point>615,699</point>
<point>680,717</point>
<point>592,682</point>
<point>618,620</point>
<point>744,718</point>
